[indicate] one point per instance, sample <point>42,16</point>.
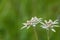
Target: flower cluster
<point>48,25</point>
<point>33,22</point>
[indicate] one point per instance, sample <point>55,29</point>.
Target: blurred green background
<point>15,12</point>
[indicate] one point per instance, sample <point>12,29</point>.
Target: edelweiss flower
<point>33,22</point>
<point>49,24</point>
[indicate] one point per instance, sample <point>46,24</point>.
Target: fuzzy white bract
<point>33,22</point>
<point>48,25</point>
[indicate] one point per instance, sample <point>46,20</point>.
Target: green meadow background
<point>15,12</point>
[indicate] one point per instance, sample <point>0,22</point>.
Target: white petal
<point>56,26</point>
<point>45,21</point>
<point>35,17</point>
<point>50,20</point>
<point>39,20</point>
<point>53,30</point>
<point>34,25</point>
<point>28,27</point>
<point>23,27</point>
<point>42,23</point>
<point>24,23</point>
<point>28,21</point>
<point>43,26</point>
<point>55,22</point>
<point>32,18</point>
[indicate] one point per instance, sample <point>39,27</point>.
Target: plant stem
<point>36,34</point>
<point>48,35</point>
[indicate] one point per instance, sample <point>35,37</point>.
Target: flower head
<point>49,24</point>
<point>33,22</point>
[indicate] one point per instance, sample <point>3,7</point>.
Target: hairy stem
<point>36,34</point>
<point>48,38</point>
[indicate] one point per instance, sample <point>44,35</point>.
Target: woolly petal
<point>45,21</point>
<point>34,18</point>
<point>40,19</point>
<point>55,22</point>
<point>23,27</point>
<point>34,25</point>
<point>56,26</point>
<point>24,23</point>
<point>53,30</point>
<point>43,26</point>
<point>42,23</point>
<point>28,27</point>
<point>49,21</point>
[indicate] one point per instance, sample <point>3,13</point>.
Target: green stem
<point>48,38</point>
<point>36,34</point>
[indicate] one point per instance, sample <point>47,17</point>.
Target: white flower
<point>49,24</point>
<point>33,22</point>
